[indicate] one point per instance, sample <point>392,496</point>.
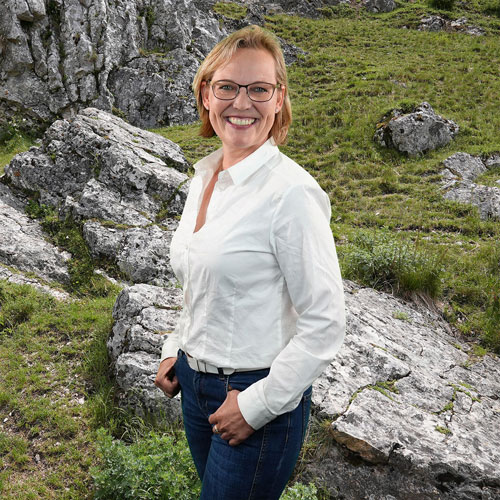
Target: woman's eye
<point>227,87</point>
<point>259,90</point>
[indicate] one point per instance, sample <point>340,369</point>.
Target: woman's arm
<point>304,248</point>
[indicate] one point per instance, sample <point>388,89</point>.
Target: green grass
<point>53,367</point>
<point>11,145</point>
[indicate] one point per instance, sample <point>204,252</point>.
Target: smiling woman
<point>263,310</point>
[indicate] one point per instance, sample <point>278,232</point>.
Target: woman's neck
<point>233,156</point>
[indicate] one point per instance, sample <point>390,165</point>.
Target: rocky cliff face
<point>136,57</point>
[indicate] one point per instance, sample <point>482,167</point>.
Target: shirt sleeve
<point>170,345</point>
<point>303,244</point>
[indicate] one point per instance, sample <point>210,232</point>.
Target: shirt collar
<point>240,171</point>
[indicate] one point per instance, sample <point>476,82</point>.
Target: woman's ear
<point>281,98</point>
<point>204,94</point>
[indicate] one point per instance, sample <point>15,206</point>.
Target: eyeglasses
<point>226,90</point>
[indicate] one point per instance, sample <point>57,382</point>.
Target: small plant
<point>383,261</point>
<point>157,466</point>
<point>401,315</point>
<point>230,10</point>
<point>443,430</point>
<point>300,491</point>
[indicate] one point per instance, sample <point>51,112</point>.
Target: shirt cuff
<point>253,406</point>
<point>170,347</point>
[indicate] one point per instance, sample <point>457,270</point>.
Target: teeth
<point>241,121</point>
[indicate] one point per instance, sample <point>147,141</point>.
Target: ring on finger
<point>215,429</point>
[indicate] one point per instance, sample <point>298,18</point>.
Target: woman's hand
<point>229,422</point>
<point>166,379</point>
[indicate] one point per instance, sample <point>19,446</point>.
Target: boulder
<point>118,180</point>
<point>412,413</point>
<point>438,23</point>
<point>143,315</point>
<point>415,133</point>
<point>60,57</point>
<point>459,175</point>
<point>23,244</point>
<point>376,6</point>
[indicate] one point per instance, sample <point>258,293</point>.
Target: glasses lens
<point>225,89</point>
<point>260,91</point>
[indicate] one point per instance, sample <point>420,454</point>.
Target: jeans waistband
<point>203,367</point>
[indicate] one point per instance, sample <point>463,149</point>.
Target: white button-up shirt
<point>261,281</point>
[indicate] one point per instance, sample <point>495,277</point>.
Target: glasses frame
<point>275,86</point>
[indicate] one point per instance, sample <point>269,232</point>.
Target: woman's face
<point>243,125</point>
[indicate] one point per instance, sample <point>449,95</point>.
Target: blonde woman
<point>263,311</point>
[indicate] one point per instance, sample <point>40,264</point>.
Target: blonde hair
<point>250,37</point>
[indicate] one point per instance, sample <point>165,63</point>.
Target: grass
<point>53,367</point>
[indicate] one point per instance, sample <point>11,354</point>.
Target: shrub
<point>383,261</point>
<point>155,467</point>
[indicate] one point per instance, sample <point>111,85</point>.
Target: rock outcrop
<point>438,23</point>
<point>459,175</point>
<point>143,315</point>
<point>415,133</point>
<point>413,413</point>
<point>125,184</point>
<point>136,57</point>
<point>23,245</point>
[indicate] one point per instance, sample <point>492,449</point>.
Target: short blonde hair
<point>250,37</point>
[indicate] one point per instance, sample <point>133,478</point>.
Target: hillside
<point>393,228</point>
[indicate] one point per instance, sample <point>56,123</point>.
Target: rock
<point>23,244</point>
<point>459,174</point>
<point>143,315</point>
<point>15,276</point>
<point>432,23</point>
<point>97,166</point>
<point>412,415</point>
<point>66,56</point>
<point>148,265</point>
<point>135,58</point>
<point>376,6</point>
<point>417,132</point>
<point>438,23</point>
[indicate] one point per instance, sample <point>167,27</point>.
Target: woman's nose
<point>242,101</point>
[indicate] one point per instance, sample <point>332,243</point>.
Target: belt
<point>203,367</point>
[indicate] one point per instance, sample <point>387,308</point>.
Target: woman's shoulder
<point>287,174</point>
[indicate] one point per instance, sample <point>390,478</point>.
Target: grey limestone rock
<point>140,253</point>
<point>59,57</point>
<point>143,315</point>
<point>411,414</point>
<point>379,5</point>
<point>459,175</point>
<point>23,244</point>
<point>417,132</point>
<point>438,23</point>
<point>96,166</point>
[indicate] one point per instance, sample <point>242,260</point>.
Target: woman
<point>263,310</point>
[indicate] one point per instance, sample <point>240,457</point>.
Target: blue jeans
<point>259,467</point>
